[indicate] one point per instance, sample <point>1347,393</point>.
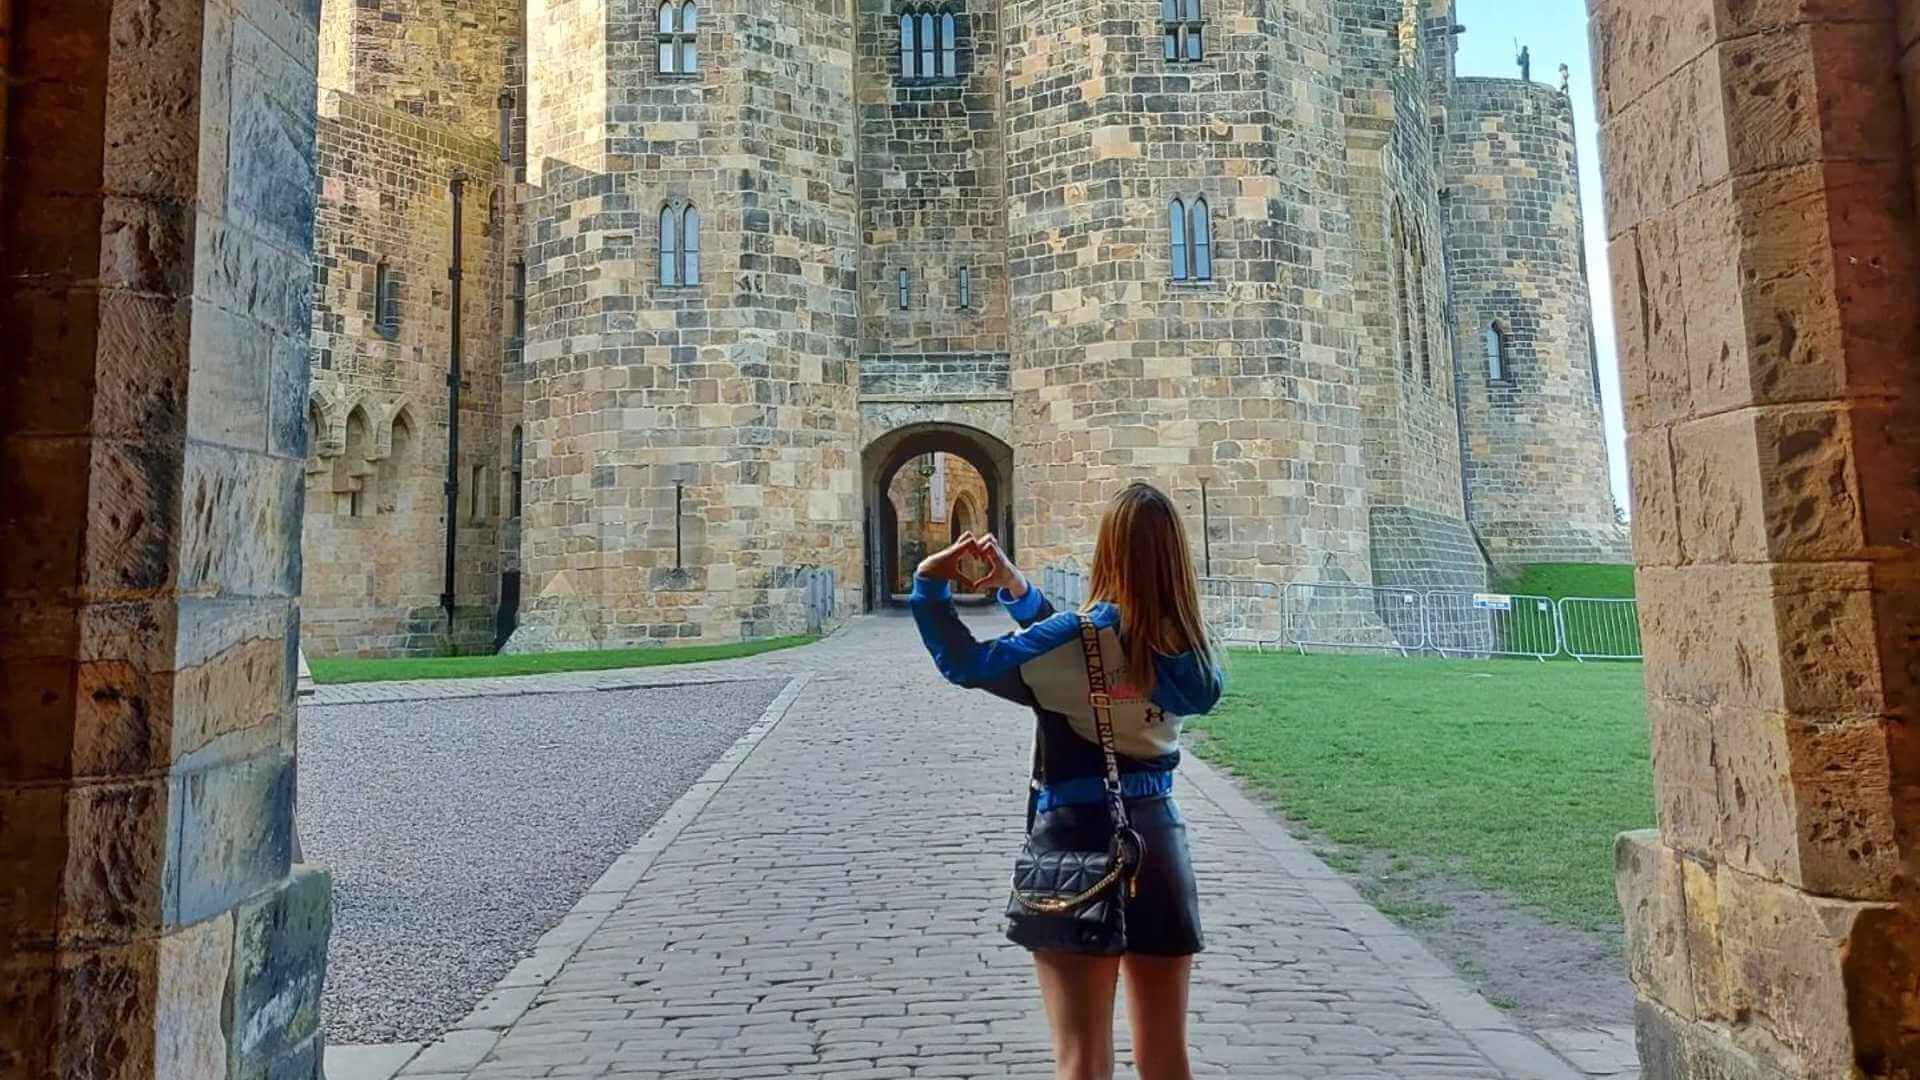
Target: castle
<point>726,266</point>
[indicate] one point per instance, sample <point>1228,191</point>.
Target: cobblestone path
<point>832,909</point>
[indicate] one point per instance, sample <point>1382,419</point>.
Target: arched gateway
<point>884,457</point>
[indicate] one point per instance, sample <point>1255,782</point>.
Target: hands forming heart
<point>945,565</point>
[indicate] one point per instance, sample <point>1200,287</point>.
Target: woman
<point>1145,603</point>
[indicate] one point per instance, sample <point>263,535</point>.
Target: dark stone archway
<point>886,455</point>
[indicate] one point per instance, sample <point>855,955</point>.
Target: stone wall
<point>158,214</point>
<point>1763,240</point>
<point>1121,373</point>
<point>376,515</point>
<point>728,405</point>
<point>1535,459</point>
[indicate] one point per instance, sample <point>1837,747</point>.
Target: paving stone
<point>780,932</point>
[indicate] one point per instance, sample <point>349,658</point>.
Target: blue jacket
<point>1043,666</point>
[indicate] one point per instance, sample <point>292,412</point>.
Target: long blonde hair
<point>1143,564</point>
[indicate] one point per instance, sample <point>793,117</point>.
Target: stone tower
<point>1529,384</point>
<point>1397,59</point>
<point>1124,367</point>
<point>690,431</point>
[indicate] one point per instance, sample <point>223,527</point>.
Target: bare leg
<point>1157,1013</point>
<point>1078,992</point>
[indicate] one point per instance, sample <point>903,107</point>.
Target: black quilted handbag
<point>1076,901</point>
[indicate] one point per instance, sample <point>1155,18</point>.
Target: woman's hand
<point>1001,573</point>
<point>944,565</point>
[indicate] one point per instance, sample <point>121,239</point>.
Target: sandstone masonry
<point>924,228</point>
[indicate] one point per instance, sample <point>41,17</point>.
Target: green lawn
<point>1512,775</point>
<point>479,667</point>
<point>1596,580</point>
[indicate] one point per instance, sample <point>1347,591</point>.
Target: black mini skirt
<point>1164,918</point>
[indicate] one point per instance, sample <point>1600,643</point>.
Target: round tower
<point>1533,448</point>
<point>1175,294</point>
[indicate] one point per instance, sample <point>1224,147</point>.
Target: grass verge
<point>1600,581</point>
<point>481,667</point>
<point>1515,776</point>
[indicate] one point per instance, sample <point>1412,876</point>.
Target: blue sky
<point>1556,33</point>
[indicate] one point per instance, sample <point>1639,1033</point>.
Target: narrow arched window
<point>1402,331</point>
<point>1420,303</point>
<point>929,45</point>
<point>519,464</point>
<point>669,246</point>
<point>949,45</point>
<point>1496,341</point>
<point>690,247</point>
<point>1177,226</point>
<point>1202,233</point>
<point>520,300</point>
<point>908,46</point>
<point>386,301</point>
<point>1181,31</point>
<point>689,29</point>
<point>906,288</point>
<point>678,24</point>
<point>966,287</point>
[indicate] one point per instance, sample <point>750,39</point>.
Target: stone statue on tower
<point>1525,60</point>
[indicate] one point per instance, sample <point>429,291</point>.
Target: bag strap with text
<point>1102,702</point>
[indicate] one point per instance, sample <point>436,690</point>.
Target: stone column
<point>155,216</point>
<point>1764,258</point>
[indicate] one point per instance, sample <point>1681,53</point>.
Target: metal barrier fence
<point>1450,622</point>
<point>1337,615</point>
<point>1492,624</point>
<point>1596,629</point>
<point>1244,612</point>
<point>820,588</point>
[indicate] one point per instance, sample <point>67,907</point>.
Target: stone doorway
<point>936,450</point>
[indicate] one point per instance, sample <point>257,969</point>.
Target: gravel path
<point>459,831</point>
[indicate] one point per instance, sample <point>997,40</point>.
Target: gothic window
<point>519,301</point>
<point>679,30</point>
<point>518,462</point>
<point>929,44</point>
<point>1420,306</point>
<point>1182,31</point>
<point>353,474</point>
<point>1496,341</point>
<point>1397,238</point>
<point>1202,233</point>
<point>679,245</point>
<point>966,287</point>
<point>386,301</point>
<point>1190,234</point>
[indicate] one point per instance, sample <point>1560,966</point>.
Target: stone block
<point>190,1042</point>
<point>116,860</point>
<point>132,513</point>
<point>1650,323</point>
<point>233,704</point>
<point>279,968</point>
<point>1635,49</point>
<point>1665,146</point>
<point>1788,638</point>
<point>1786,950</point>
<point>152,143</point>
<point>1673,1047</point>
<point>1810,92</point>
<point>232,365</point>
<point>1656,531</point>
<point>28,1005</point>
<point>270,178</point>
<point>1649,880</point>
<point>233,834</point>
<point>240,523</point>
<point>43,500</point>
<point>1716,472</point>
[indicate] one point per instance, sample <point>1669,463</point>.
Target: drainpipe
<point>458,187</point>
